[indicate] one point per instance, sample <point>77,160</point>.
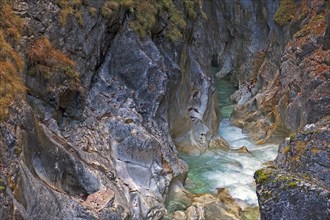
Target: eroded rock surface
<point>104,150</point>
<point>107,149</point>
<point>298,186</point>
<point>289,89</point>
<point>186,205</point>
<point>278,57</point>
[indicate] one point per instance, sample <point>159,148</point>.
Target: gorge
<point>106,105</point>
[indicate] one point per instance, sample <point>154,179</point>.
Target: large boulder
<point>297,187</point>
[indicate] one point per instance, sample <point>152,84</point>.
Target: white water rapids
<point>229,169</point>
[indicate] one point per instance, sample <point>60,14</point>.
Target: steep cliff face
<point>297,187</point>
<point>290,78</point>
<point>235,37</point>
<point>241,31</point>
<point>92,141</point>
<point>106,111</point>
<point>277,53</point>
<point>193,115</point>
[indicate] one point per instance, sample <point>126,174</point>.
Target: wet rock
<point>144,99</point>
<point>242,31</point>
<point>219,143</point>
<point>243,150</point>
<point>179,198</point>
<point>179,215</point>
<point>192,213</point>
<point>223,205</point>
<point>251,213</point>
<point>202,206</point>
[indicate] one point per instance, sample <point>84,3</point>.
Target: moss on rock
<point>262,175</point>
<point>285,12</point>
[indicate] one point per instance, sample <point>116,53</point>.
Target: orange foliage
<point>42,52</point>
<point>11,63</point>
<point>49,62</point>
<point>10,22</point>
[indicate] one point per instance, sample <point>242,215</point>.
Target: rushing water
<point>229,169</point>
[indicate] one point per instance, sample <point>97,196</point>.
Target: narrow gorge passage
<point>109,109</point>
<point>231,168</point>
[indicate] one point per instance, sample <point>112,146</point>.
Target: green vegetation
<point>292,184</point>
<point>285,181</point>
<point>146,14</point>
<point>286,149</point>
<point>262,175</point>
<point>11,63</point>
<point>70,8</point>
<point>299,150</point>
<point>2,185</point>
<point>315,150</point>
<point>285,12</point>
<point>292,136</point>
<point>315,26</point>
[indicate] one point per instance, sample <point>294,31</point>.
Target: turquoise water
<point>224,91</point>
<point>229,169</point>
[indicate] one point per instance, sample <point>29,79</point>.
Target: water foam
<point>230,169</point>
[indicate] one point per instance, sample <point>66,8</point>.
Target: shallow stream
<point>229,169</point>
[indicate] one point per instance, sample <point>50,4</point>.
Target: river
<point>229,169</point>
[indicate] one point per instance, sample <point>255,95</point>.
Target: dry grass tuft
<point>146,14</point>
<point>49,62</point>
<point>11,63</point>
<point>42,52</point>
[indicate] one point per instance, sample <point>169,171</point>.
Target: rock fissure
<point>109,125</point>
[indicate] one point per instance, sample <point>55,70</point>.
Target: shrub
<point>42,52</point>
<point>11,63</point>
<point>70,8</point>
<point>316,25</point>
<point>47,61</point>
<point>285,12</point>
<point>146,14</point>
<point>92,11</point>
<point>191,5</point>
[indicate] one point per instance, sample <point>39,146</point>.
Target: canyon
<point>109,106</point>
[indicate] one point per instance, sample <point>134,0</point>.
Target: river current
<point>229,169</point>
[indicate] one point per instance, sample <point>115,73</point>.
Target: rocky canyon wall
<point>99,139</point>
<point>94,141</point>
<point>277,52</point>
<point>297,186</point>
<point>287,75</point>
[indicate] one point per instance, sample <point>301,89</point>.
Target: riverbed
<point>229,169</point>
